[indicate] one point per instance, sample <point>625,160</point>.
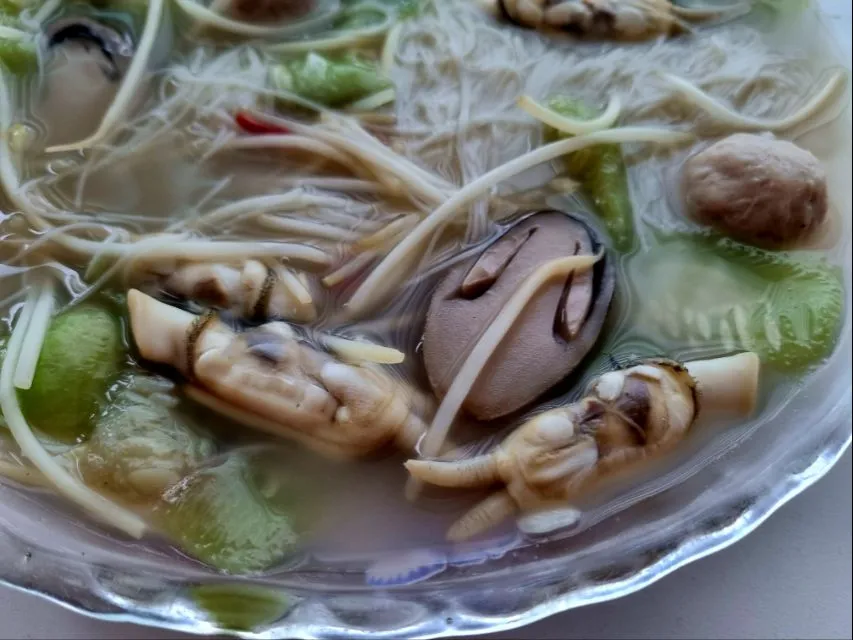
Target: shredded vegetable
<point>726,115</point>
<point>361,351</point>
<point>34,339</point>
<point>565,122</point>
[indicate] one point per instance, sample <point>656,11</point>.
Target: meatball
<point>758,190</point>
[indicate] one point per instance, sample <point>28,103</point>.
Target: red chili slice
<point>251,123</point>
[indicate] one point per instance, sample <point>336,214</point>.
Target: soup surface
<point>404,282</point>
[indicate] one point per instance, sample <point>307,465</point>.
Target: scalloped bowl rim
<point>688,551</point>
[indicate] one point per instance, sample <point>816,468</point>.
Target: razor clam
<point>626,417</point>
<point>272,379</point>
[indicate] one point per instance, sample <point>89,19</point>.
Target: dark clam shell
<point>538,351</point>
<point>115,48</point>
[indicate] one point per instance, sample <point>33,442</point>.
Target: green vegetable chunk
<point>333,82</point>
<point>231,517</point>
<point>700,290</point>
<point>81,356</point>
<point>18,56</point>
<point>602,173</point>
<point>18,49</point>
<point>241,607</point>
<point>14,7</point>
<point>140,447</point>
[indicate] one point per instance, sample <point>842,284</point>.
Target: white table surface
<point>789,579</point>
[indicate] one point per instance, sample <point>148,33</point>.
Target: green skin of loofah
<point>227,518</point>
<point>787,310</point>
<point>81,356</point>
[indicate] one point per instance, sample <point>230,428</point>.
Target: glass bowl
<point>704,509</point>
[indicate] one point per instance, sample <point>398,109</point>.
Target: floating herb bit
<point>81,356</point>
<point>231,517</point>
<point>602,173</point>
<point>699,290</point>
